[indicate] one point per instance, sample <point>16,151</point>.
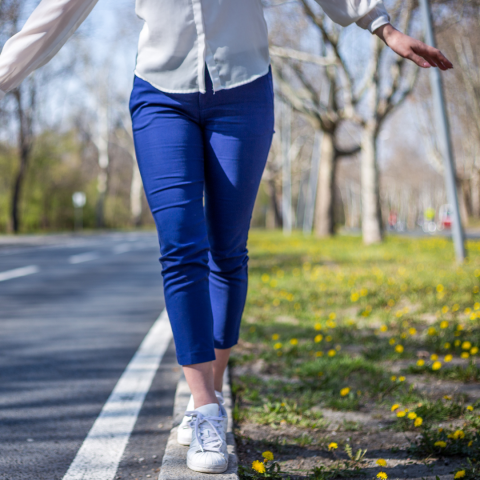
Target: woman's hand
<point>415,50</point>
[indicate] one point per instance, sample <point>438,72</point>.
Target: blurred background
<point>347,109</point>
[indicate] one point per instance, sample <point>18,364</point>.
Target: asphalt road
<point>68,328</point>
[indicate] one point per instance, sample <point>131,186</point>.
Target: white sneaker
<point>184,431</point>
<point>208,450</point>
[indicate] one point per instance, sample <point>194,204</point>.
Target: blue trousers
<point>201,157</point>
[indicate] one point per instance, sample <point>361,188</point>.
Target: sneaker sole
<point>197,468</point>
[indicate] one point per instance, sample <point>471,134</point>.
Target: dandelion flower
<point>399,348</point>
<point>318,338</point>
<point>383,328</point>
<point>457,343</point>
<point>465,355</point>
<point>401,379</point>
<point>420,363</point>
<point>393,378</point>
<point>395,407</point>
<point>459,434</point>
<point>447,397</point>
<point>319,354</point>
<point>275,336</point>
<point>470,408</point>
<point>412,415</point>
<point>437,365</point>
<point>332,353</point>
<point>440,444</point>
<point>432,331</point>
<point>267,455</point>
<point>440,288</point>
<point>392,341</point>
<point>474,351</point>
<point>294,341</point>
<point>460,474</point>
<point>328,338</point>
<point>318,326</point>
<point>434,356</point>
<point>277,346</point>
<point>354,297</point>
<point>412,331</point>
<point>401,414</point>
<point>418,421</point>
<point>382,462</point>
<point>444,324</point>
<point>344,391</point>
<point>447,346</point>
<point>466,345</point>
<point>258,466</point>
<point>265,278</point>
<point>332,446</point>
<point>382,475</point>
<point>448,358</point>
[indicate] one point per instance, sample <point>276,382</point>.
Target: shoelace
<point>212,443</point>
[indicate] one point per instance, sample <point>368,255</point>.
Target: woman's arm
<point>415,50</point>
<point>44,33</point>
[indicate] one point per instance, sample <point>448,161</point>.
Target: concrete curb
<point>174,466</point>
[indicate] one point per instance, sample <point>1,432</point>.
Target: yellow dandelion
<point>354,297</point>
<point>466,345</point>
<point>458,434</point>
<point>275,336</point>
<point>332,353</point>
<point>447,345</point>
<point>278,346</point>
<point>391,302</point>
<point>437,365</point>
<point>470,408</point>
<point>460,474</point>
<point>448,358</point>
<point>294,341</point>
<point>382,462</point>
<point>328,338</point>
<point>382,475</point>
<point>276,302</point>
<point>457,343</point>
<point>393,378</point>
<point>392,341</point>
<point>383,328</point>
<point>268,456</point>
<point>418,421</point>
<point>421,362</point>
<point>319,354</point>
<point>474,351</point>
<point>395,407</point>
<point>440,444</point>
<point>440,288</point>
<point>459,327</point>
<point>401,414</point>
<point>344,391</point>
<point>432,331</point>
<point>332,446</point>
<point>399,348</point>
<point>465,355</point>
<point>412,331</point>
<point>318,326</point>
<point>445,310</point>
<point>401,379</point>
<point>318,338</point>
<point>412,415</point>
<point>265,278</point>
<point>258,466</point>
<point>434,356</point>
<point>444,324</point>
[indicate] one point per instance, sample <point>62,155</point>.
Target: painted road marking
<point>83,257</point>
<point>124,247</point>
<point>18,272</point>
<point>102,449</point>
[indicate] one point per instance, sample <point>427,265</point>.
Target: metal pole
<point>286,169</point>
<point>445,139</point>
<point>312,186</point>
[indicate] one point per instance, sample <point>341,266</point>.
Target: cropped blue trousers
<point>201,158</point>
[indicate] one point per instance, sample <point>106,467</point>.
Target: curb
<point>174,466</point>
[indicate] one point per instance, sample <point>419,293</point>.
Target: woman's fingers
<point>432,55</point>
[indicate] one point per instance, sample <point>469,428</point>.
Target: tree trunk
<point>277,216</point>
<point>25,140</point>
<point>463,194</point>
<point>136,189</point>
<point>371,212</point>
<point>324,221</point>
<point>475,195</point>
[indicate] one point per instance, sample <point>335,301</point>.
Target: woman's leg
<point>170,152</point>
<point>238,130</point>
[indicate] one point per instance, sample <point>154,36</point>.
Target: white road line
<point>18,272</point>
<point>102,449</point>
<point>124,247</point>
<point>83,257</point>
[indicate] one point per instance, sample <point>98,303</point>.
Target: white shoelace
<point>205,438</point>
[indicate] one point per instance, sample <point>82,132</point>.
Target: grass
<point>336,325</point>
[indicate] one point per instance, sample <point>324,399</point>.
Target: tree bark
<point>475,195</point>
<point>277,216</point>
<point>371,212</point>
<point>25,141</point>
<point>324,220</point>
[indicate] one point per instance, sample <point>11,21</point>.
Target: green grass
<point>336,324</point>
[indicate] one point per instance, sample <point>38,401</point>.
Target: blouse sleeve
<point>43,35</point>
<point>367,14</point>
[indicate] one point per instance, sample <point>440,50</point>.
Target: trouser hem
<point>197,357</point>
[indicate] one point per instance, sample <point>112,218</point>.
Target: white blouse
<point>178,39</point>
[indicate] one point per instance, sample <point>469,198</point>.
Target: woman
<point>202,115</point>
